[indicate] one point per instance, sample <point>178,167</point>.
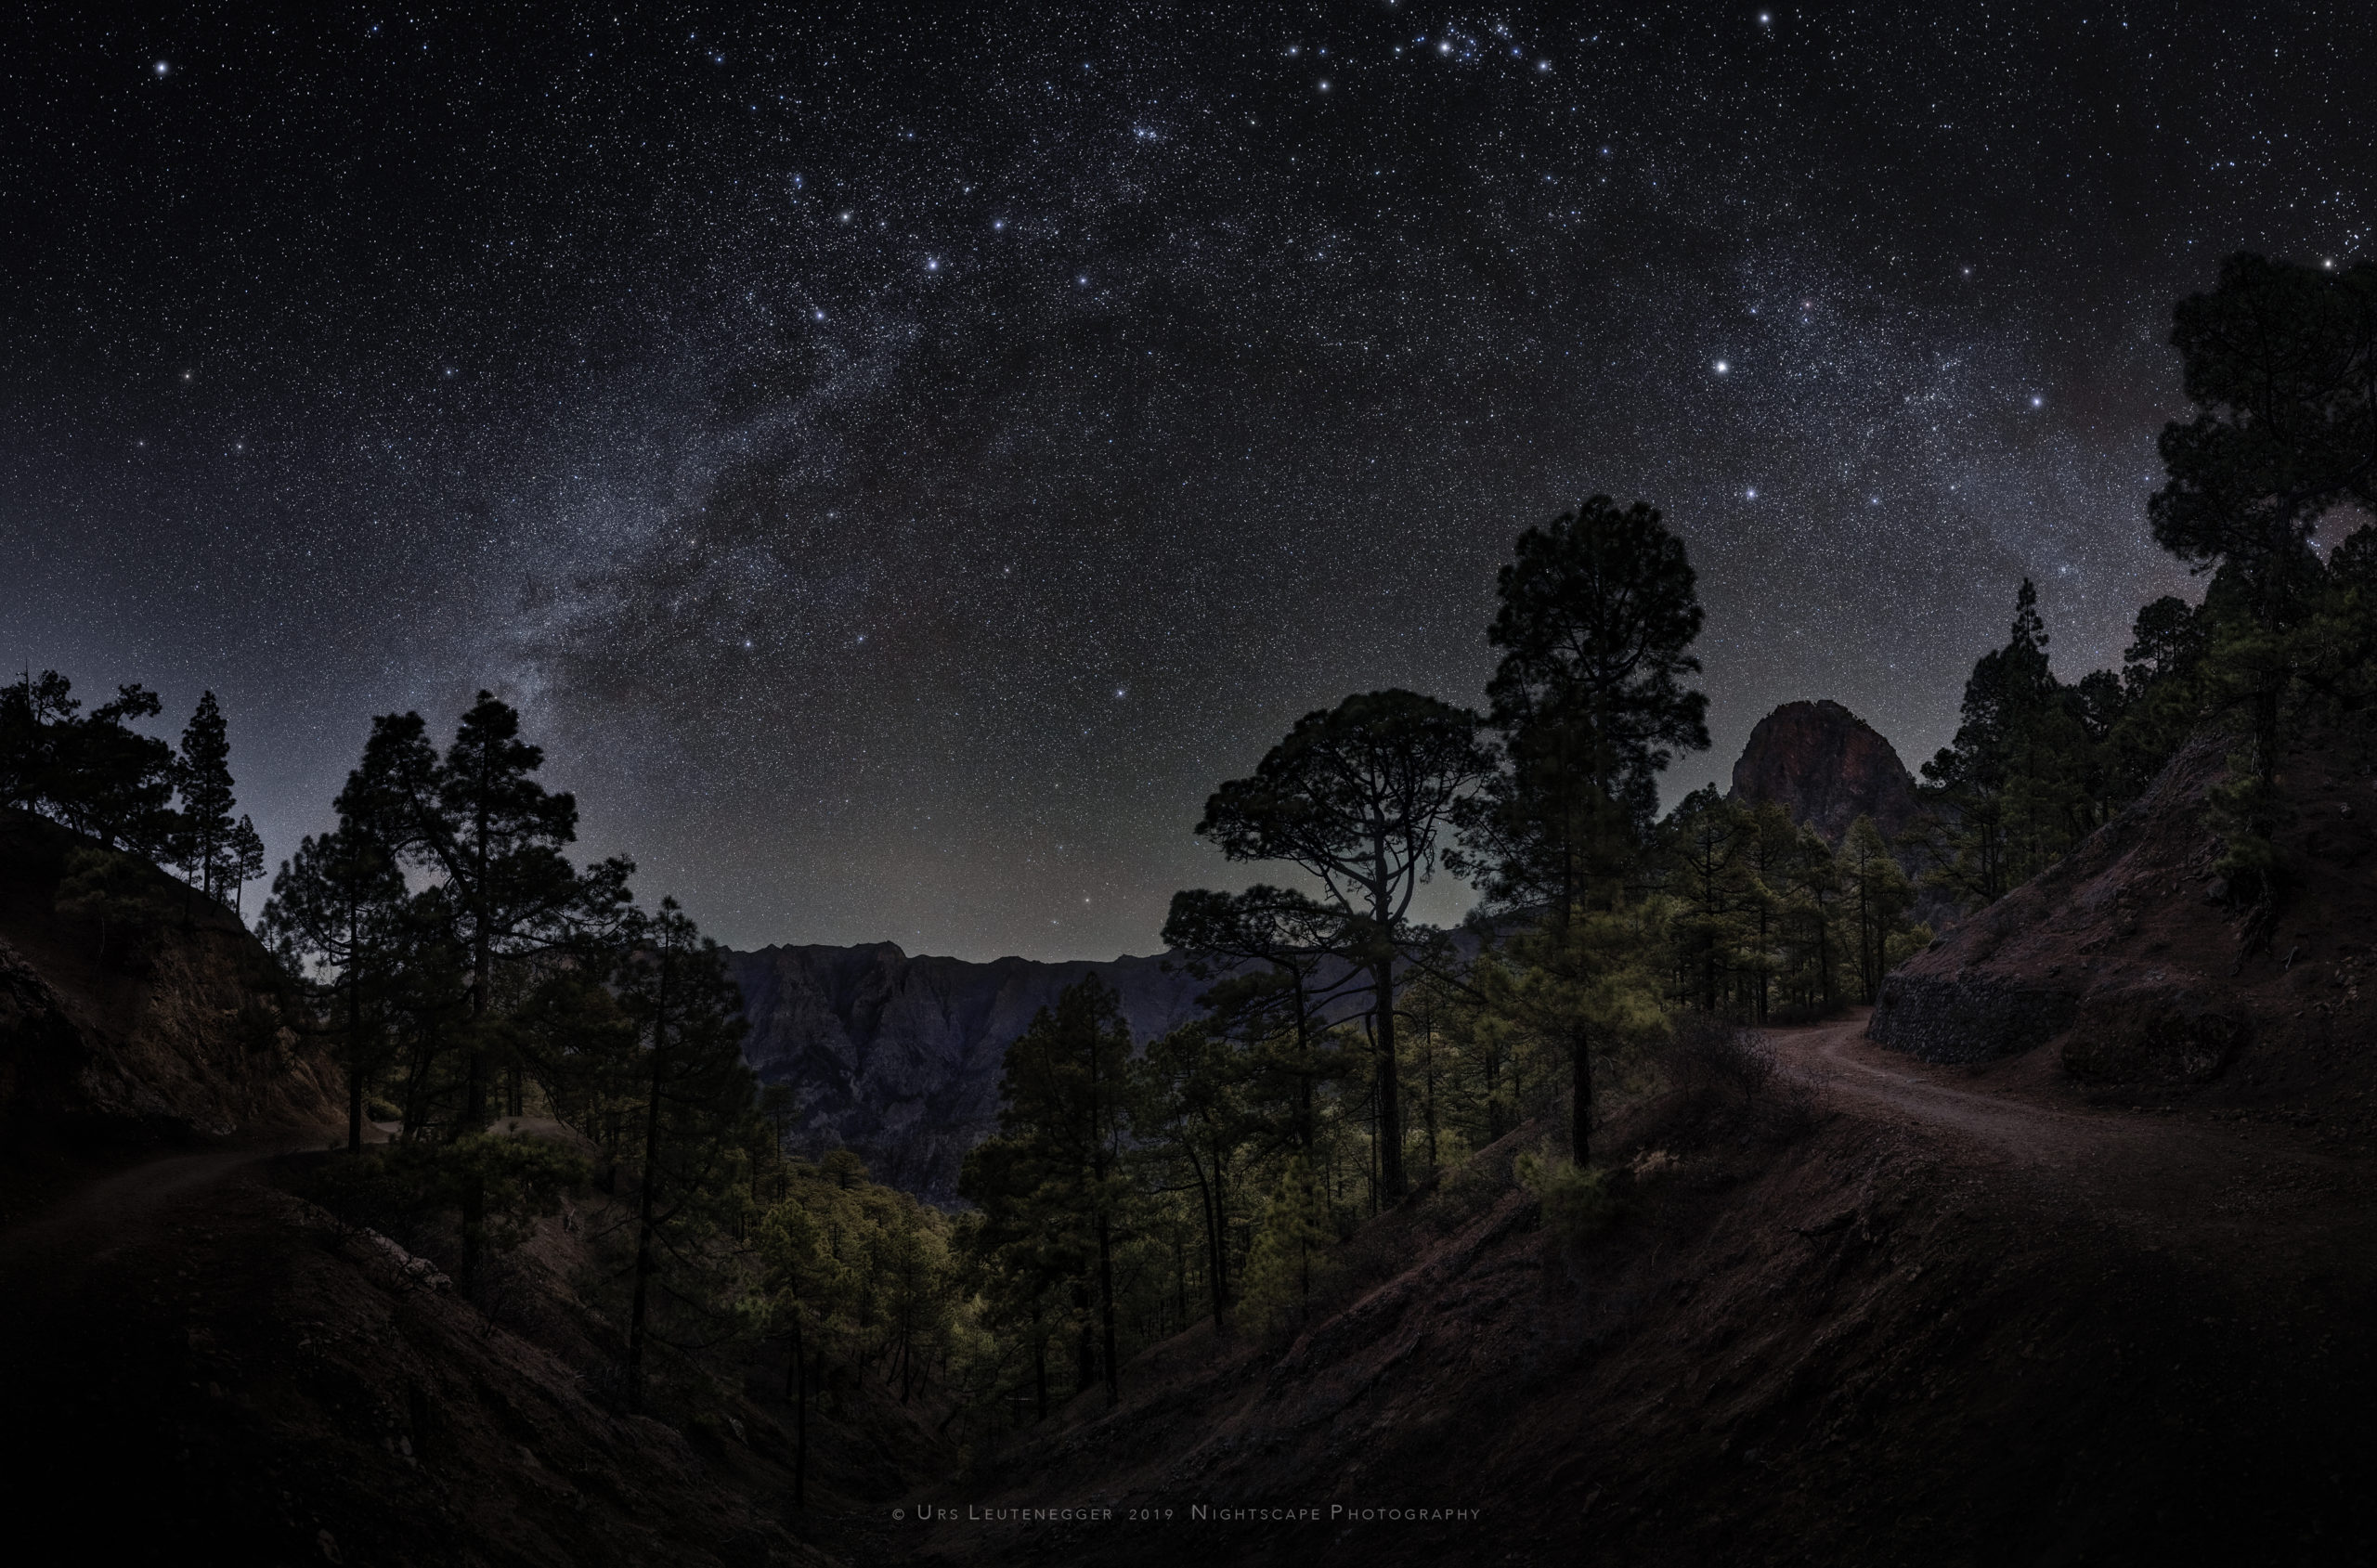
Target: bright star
<point>1722,367</point>
<point>2038,401</point>
<point>162,68</point>
<point>1750,494</point>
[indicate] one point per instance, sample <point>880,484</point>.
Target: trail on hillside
<point>1838,1057</point>
<point>2175,1175</point>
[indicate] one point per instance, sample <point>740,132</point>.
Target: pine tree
<point>1879,895</point>
<point>1280,1013</point>
<point>334,917</point>
<point>202,773</point>
<point>2023,781</point>
<point>92,771</point>
<point>244,858</point>
<point>1599,610</point>
<point>2280,362</point>
<point>1356,795</point>
<point>1053,1183</point>
<point>686,1064</point>
<point>1188,1111</point>
<point>477,819</point>
<point>1291,1256</point>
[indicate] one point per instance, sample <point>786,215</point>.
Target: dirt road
<point>2169,1175</point>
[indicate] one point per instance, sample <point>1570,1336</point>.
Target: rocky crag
<point>898,1057</point>
<point>1829,766</point>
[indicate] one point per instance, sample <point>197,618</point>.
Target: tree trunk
<point>796,1379</point>
<point>1390,1120</point>
<point>2265,730</point>
<point>1208,1209</point>
<point>354,1067</point>
<point>1581,1106</point>
<point>1106,1308</point>
<point>643,1259</point>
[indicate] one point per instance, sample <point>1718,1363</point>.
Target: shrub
<point>401,1190</point>
<point>1576,1201</point>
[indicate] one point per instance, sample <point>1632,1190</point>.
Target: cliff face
<point>1828,766</point>
<point>898,1058</point>
<point>153,1014</point>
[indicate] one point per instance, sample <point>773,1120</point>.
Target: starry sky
<point>901,458</point>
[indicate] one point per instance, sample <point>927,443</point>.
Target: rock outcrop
<point>898,1057</point>
<point>160,1015</point>
<point>1828,766</point>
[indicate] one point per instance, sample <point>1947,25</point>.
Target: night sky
<point>901,465</point>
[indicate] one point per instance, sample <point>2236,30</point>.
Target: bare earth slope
<point>1965,1320</point>
<point>168,1025</point>
<point>196,1366</point>
<point>199,1369</point>
<point>2127,960</point>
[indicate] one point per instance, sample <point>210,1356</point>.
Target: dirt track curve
<point>2170,1173</point>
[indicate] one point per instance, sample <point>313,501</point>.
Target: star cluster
<point>903,458</point>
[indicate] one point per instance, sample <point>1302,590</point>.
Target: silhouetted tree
<point>686,1060</point>
<point>1356,797</point>
<point>92,770</point>
<point>1599,610</point>
<point>1281,1013</point>
<point>2280,362</point>
<point>335,916</point>
<point>202,773</point>
<point>478,820</point>
<point>1188,1111</point>
<point>1052,1182</point>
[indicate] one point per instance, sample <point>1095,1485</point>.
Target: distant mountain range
<point>898,1057</point>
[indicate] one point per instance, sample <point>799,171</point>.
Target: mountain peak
<point>1828,766</point>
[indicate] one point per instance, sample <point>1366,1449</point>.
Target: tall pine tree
<point>1599,610</point>
<point>1358,796</point>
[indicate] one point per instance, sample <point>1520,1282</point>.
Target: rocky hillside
<point>2132,962</point>
<point>1828,766</point>
<point>898,1058</point>
<point>141,1010</point>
